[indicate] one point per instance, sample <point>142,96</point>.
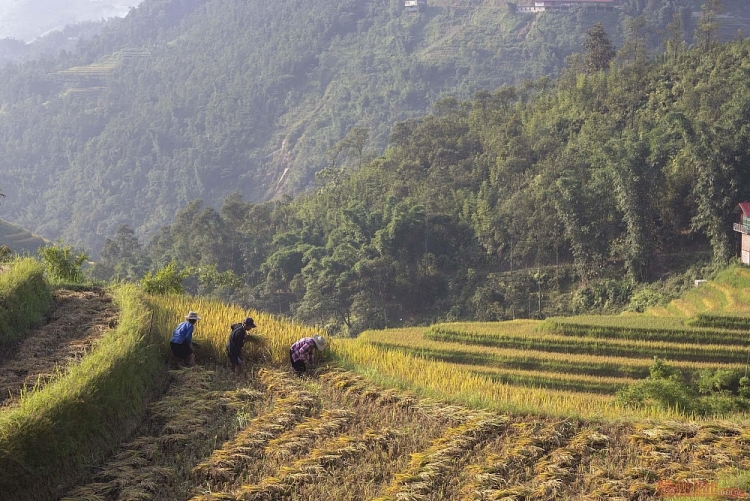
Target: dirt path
<point>77,319</point>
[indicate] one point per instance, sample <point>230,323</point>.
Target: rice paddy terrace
<point>18,239</point>
<point>75,323</point>
<point>521,410</point>
<point>339,437</point>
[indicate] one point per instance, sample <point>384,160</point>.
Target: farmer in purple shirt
<point>302,352</point>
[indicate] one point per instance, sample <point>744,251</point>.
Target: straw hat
<point>320,342</point>
<point>192,316</point>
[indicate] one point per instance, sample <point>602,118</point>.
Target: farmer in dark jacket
<point>236,341</point>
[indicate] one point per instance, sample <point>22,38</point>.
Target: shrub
<point>63,265</point>
<point>664,388</point>
<point>647,297</point>
<point>602,295</point>
<point>710,381</point>
<point>661,393</point>
<point>167,280</point>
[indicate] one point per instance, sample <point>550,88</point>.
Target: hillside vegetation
<point>600,192</point>
<point>187,99</point>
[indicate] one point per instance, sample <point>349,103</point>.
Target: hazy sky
<point>28,19</point>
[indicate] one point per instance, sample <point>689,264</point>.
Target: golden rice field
<point>338,436</point>
<point>463,411</point>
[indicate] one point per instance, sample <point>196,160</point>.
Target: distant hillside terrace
<point>567,5</point>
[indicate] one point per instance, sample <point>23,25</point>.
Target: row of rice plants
<point>53,435</point>
<point>602,347</point>
<point>685,453</point>
<point>291,406</point>
<point>558,471</point>
<point>499,472</point>
<point>680,450</point>
<point>722,321</point>
<point>551,380</point>
<point>430,470</point>
<point>299,439</point>
<point>274,334</point>
<point>190,413</point>
<point>410,341</point>
<point>447,382</point>
<point>25,297</point>
<point>644,328</point>
<point>361,390</point>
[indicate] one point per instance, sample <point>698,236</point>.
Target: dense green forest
<point>551,197</point>
<point>187,99</point>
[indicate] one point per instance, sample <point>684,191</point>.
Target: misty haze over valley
<point>28,19</point>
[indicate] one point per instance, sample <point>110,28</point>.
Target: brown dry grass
<point>76,321</point>
<point>196,415</point>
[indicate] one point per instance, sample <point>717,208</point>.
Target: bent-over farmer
<point>182,339</point>
<point>236,341</point>
<point>303,352</point>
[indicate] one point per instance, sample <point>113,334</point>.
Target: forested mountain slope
<point>187,99</point>
<point>554,198</point>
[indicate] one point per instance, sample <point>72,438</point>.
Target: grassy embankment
<point>25,297</point>
<point>54,435</point>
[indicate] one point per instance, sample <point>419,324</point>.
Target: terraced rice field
<point>18,239</point>
<point>519,410</point>
<point>587,358</point>
<point>75,323</point>
<point>562,366</point>
<point>338,436</point>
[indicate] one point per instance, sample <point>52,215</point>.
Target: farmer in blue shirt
<point>182,339</point>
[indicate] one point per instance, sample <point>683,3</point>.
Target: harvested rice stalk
<point>188,406</point>
<point>302,437</point>
<point>428,470</point>
<point>559,468</point>
<point>225,464</point>
<point>493,480</point>
<point>335,454</point>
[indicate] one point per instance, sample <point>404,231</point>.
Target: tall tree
<point>675,42</point>
<point>708,23</point>
<point>123,256</point>
<point>599,49</point>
